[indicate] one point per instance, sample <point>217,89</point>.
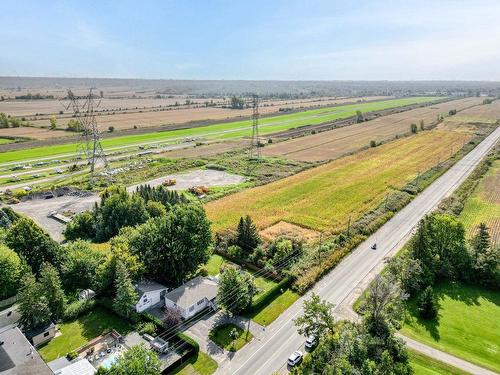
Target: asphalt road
<point>270,352</point>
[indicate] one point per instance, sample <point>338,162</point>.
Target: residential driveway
<point>200,330</point>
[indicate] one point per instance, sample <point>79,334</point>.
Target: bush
<point>77,308</point>
<point>373,143</point>
<point>427,305</point>
<point>147,328</point>
<point>153,319</point>
<point>188,340</point>
<point>71,355</point>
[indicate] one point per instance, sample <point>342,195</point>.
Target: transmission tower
<point>254,153</point>
<point>89,145</point>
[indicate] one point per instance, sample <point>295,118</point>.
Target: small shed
<point>41,334</point>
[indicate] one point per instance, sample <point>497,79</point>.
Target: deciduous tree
<point>236,289</point>
<point>52,289</point>
<point>317,319</point>
<point>33,305</point>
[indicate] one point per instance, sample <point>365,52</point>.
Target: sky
<point>273,39</point>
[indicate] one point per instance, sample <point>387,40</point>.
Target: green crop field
<point>467,325</point>
<point>484,205</point>
<point>324,197</point>
<point>5,140</point>
<point>234,129</point>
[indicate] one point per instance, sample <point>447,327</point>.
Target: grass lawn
<point>467,326</point>
<point>233,129</point>
<point>423,365</point>
<point>262,283</point>
<point>214,264</point>
<point>324,197</point>
<point>484,205</point>
<point>269,313</point>
<point>5,140</point>
<point>221,335</point>
<point>199,364</point>
<point>78,332</point>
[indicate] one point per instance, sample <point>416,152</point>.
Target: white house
<point>150,294</point>
<point>193,296</point>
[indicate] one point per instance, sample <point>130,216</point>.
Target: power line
<point>89,144</point>
<point>254,153</point>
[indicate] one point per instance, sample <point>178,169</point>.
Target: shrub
<point>71,355</point>
<point>77,308</point>
<point>413,128</point>
<point>427,305</point>
<point>373,143</point>
<point>147,328</point>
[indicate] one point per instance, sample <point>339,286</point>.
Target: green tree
<point>426,304</point>
<point>12,269</point>
<point>317,319</point>
<point>79,269</point>
<point>413,128</point>
<point>52,289</point>
<point>236,289</point>
<point>237,103</point>
<point>53,122</point>
<point>359,116</point>
<point>125,296</point>
<point>29,241</point>
<point>155,209</point>
<point>486,259</point>
<point>137,360</point>
<point>173,246</point>
<point>74,126</point>
<point>81,226</point>
<point>247,235</point>
<point>33,305</point>
<point>422,125</point>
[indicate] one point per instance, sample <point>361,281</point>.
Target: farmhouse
<point>40,335</point>
<point>150,294</point>
<point>193,296</point>
<point>18,357</point>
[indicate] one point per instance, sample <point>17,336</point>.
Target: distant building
<point>150,295</point>
<point>18,356</point>
<point>193,296</point>
<point>41,334</point>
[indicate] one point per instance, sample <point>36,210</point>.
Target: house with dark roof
<point>193,296</point>
<point>18,356</point>
<point>150,294</point>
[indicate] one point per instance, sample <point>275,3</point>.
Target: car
<point>295,358</point>
<point>310,342</point>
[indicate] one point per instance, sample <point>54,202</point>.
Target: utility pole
<point>89,144</point>
<point>254,153</point>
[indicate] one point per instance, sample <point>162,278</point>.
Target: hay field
<point>34,133</point>
<point>484,205</point>
<point>337,142</point>
<point>488,113</point>
<point>322,198</point>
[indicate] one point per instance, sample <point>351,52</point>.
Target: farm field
<point>34,133</point>
<point>224,130</point>
<point>322,198</point>
<point>334,143</point>
<point>484,205</point>
<point>476,339</point>
<point>146,113</point>
<point>482,113</point>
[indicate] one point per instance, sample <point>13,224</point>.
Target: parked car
<point>295,358</point>
<point>310,342</point>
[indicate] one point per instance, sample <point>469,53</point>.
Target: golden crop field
<point>322,198</point>
<point>484,205</point>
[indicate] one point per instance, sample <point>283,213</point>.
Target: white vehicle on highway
<point>295,358</point>
<point>310,342</point>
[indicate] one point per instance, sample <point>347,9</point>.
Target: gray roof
<point>145,286</point>
<point>30,333</point>
<point>79,367</point>
<point>193,291</point>
<point>18,357</point>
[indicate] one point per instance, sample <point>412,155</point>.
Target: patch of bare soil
<point>289,230</point>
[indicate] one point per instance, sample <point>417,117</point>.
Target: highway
<point>269,352</point>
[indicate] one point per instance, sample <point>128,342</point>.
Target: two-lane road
<point>270,352</point>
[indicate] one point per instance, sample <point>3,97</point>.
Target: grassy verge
<point>423,365</point>
<point>78,332</point>
<point>199,364</point>
<point>467,324</point>
<point>270,312</point>
<point>221,335</point>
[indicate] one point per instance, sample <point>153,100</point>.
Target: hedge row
<point>268,296</point>
<point>188,340</point>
